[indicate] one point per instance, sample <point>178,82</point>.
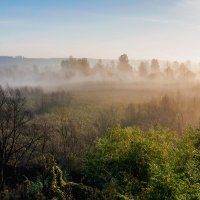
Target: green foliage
<point>129,163</point>
<point>52,179</point>
<point>126,164</point>
<point>124,157</point>
<point>54,187</point>
<point>146,165</point>
<point>82,192</point>
<point>28,190</point>
<point>33,188</point>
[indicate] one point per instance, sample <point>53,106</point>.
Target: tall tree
<point>123,64</point>
<point>142,69</point>
<point>73,66</point>
<point>155,67</point>
<point>15,138</point>
<point>169,72</point>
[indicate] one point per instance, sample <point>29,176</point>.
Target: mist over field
<point>78,128</point>
<point>99,100</point>
<point>70,72</point>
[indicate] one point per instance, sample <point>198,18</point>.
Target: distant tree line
<point>152,71</point>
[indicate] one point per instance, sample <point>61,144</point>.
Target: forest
<point>100,130</point>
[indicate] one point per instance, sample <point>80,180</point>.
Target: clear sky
<point>164,29</point>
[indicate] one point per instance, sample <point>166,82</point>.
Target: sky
<point>143,29</point>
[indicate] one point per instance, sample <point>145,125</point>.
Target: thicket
<point>155,164</point>
<point>74,150</point>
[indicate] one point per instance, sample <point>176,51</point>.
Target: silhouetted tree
<point>123,63</point>
<point>142,69</point>
<point>184,72</point>
<point>112,64</point>
<point>169,72</point>
<point>73,66</point>
<point>15,138</point>
<point>155,67</point>
<point>175,65</point>
<point>99,67</point>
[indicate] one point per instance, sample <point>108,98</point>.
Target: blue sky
<point>164,29</point>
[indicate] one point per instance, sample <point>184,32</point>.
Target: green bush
<point>156,164</point>
<point>52,179</point>
<point>54,186</point>
<point>126,164</point>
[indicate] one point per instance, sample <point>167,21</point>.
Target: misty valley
<point>78,128</point>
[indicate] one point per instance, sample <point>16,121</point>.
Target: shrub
<point>125,157</point>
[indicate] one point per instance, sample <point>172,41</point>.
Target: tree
<point>73,66</point>
<point>142,69</point>
<point>15,138</point>
<point>185,72</point>
<point>107,118</point>
<point>123,162</point>
<point>123,63</point>
<point>169,72</point>
<point>112,64</point>
<point>99,67</point>
<point>155,67</point>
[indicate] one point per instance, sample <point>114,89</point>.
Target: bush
<point>126,156</point>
